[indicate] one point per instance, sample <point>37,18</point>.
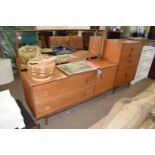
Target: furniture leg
<point>128,84</point>
<point>114,90</point>
<point>46,120</point>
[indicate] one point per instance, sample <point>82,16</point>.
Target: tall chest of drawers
<point>126,54</point>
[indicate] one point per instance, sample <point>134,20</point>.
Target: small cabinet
<point>105,79</point>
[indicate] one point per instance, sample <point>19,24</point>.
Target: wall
<point>62,27</point>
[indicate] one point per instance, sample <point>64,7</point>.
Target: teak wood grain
<point>95,45</point>
<point>126,53</point>
<point>61,92</point>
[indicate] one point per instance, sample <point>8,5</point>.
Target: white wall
<point>62,27</point>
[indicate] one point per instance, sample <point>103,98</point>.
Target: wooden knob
<point>132,49</point>
<point>88,92</point>
<point>47,108</point>
<point>130,55</point>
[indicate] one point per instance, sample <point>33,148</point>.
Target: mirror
<point>79,43</point>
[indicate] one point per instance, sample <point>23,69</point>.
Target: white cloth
<point>6,71</point>
<point>10,114</point>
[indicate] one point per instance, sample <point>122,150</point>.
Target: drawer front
<point>64,86</point>
<point>106,80</point>
<point>54,104</point>
<point>130,50</point>
<point>133,48</point>
<point>125,76</point>
<point>129,62</point>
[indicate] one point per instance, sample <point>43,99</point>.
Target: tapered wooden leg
<point>128,84</point>
<point>114,89</point>
<point>46,120</point>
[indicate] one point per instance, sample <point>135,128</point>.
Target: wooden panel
<point>28,95</point>
<point>62,86</point>
<point>53,104</point>
<point>76,42</point>
<point>58,41</point>
<point>112,50</point>
<point>129,61</point>
<point>130,50</point>
<point>95,45</point>
<point>125,76</point>
<point>106,80</point>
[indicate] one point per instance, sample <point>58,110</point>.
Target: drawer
<point>129,61</point>
<point>64,86</point>
<point>54,104</point>
<point>133,48</point>
<point>130,51</point>
<point>125,76</point>
<point>106,80</point>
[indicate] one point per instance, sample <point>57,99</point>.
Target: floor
<point>83,115</point>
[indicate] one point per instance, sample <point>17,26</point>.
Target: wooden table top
<point>59,75</point>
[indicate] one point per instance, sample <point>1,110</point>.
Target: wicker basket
<point>41,68</point>
<point>26,53</point>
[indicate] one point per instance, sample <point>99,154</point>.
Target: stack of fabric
<point>10,113</point>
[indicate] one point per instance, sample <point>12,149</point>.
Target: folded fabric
<point>132,115</point>
<point>10,113</point>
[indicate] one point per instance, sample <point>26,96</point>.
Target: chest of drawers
<point>62,91</point>
<point>127,54</point>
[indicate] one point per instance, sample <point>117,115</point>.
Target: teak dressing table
<point>64,91</point>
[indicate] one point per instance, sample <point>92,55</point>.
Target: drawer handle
<point>132,49</point>
<point>89,81</point>
<point>130,61</point>
<point>126,75</point>
<point>47,108</point>
<point>46,94</point>
<point>88,92</point>
<point>130,55</point>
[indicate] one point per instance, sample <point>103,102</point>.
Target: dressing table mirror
<point>67,45</point>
